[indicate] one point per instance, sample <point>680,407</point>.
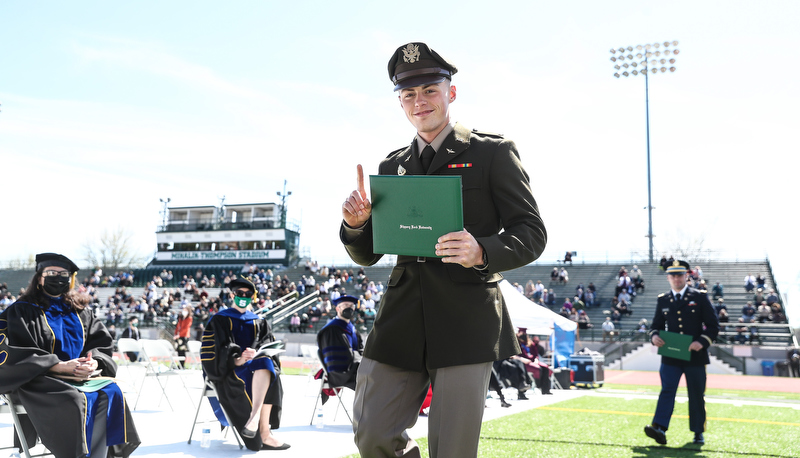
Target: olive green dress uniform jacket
<point>693,315</point>
<point>436,315</point>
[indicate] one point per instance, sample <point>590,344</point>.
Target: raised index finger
<point>361,189</point>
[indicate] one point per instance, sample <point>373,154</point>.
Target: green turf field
<point>600,426</point>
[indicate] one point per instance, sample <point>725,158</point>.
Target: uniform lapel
<point>408,162</point>
<point>455,143</point>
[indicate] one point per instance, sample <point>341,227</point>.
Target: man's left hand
<point>460,248</point>
<point>696,346</point>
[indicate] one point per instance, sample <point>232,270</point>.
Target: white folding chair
<point>127,345</point>
<point>161,362</point>
<point>193,355</point>
<point>310,360</point>
<point>7,405</point>
<point>209,391</point>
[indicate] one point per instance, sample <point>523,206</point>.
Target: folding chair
<point>325,385</point>
<point>210,392</point>
<point>156,352</point>
<point>193,355</point>
<point>310,360</point>
<point>127,345</point>
<point>7,405</point>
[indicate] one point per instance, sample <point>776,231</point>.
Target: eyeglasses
<point>242,293</point>
<point>55,273</point>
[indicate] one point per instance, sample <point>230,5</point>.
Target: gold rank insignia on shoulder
<point>411,53</point>
<point>662,294</point>
<point>401,170</point>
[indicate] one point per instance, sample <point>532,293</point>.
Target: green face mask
<point>242,302</point>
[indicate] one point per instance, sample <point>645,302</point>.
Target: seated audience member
<point>642,329</point>
<point>772,297</point>
<point>554,275</point>
<point>529,356</point>
<point>615,316</point>
<point>563,276</point>
<point>720,305</point>
<point>608,329</point>
<point>551,298</point>
<point>494,384</point>
<point>793,355</point>
<point>623,308</point>
<point>623,296</point>
<point>341,345</point>
<point>132,332</point>
<point>663,263</point>
<point>568,258</point>
<point>583,320</point>
<point>778,316</point>
<point>761,281</point>
<point>758,297</point>
<point>749,283</point>
<point>513,374</point>
<point>49,343</point>
<point>764,312</point>
<point>723,317</point>
<point>578,304</point>
<point>716,291</point>
<point>748,312</point>
<point>241,373</point>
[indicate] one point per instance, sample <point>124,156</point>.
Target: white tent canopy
<point>527,314</point>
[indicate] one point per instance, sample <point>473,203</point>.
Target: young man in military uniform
<point>688,311</point>
<point>442,320</point>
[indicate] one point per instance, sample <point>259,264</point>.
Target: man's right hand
<point>657,341</point>
<point>357,209</point>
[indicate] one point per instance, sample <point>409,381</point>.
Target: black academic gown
<point>56,409</point>
<point>337,352</point>
<point>218,352</point>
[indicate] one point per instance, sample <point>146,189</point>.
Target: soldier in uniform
<point>683,310</point>
<point>442,320</point>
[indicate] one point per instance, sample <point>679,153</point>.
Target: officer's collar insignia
<point>401,170</point>
<point>411,53</point>
<point>449,151</point>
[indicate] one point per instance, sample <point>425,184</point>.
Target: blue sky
<point>107,107</point>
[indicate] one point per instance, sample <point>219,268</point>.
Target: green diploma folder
<point>410,213</point>
<point>675,345</point>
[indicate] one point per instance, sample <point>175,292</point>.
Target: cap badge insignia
<point>449,151</point>
<point>411,53</point>
<point>401,170</point>
<point>676,264</point>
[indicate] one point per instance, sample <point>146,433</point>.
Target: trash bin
<point>768,368</point>
<point>782,368</point>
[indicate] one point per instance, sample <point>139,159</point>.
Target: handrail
<point>302,303</point>
<point>284,301</point>
<point>729,358</point>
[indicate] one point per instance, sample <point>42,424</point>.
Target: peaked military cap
<point>678,268</point>
<point>54,259</point>
<point>415,64</point>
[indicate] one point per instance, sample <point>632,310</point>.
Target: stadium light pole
<point>283,197</point>
<point>164,203</point>
<point>649,59</point>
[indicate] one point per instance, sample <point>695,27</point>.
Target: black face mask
<point>55,286</point>
<point>347,313</point>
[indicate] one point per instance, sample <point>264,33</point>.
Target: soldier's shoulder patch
<point>486,134</point>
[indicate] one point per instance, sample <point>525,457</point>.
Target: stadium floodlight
<point>648,66</point>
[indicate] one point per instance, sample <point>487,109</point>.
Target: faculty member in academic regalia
<point>248,386</point>
<point>50,345</point>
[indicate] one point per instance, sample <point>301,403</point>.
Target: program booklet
<point>270,349</point>
<point>410,213</point>
<point>675,345</point>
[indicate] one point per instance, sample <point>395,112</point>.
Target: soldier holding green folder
<point>683,310</point>
<point>442,319</point>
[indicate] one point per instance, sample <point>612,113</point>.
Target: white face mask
<point>184,313</point>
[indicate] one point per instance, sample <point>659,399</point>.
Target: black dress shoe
<point>699,439</point>
<point>656,433</point>
<point>283,446</point>
<point>521,396</point>
<point>248,433</point>
<point>503,403</point>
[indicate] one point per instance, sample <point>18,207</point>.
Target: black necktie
<point>427,157</point>
<point>678,297</point>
